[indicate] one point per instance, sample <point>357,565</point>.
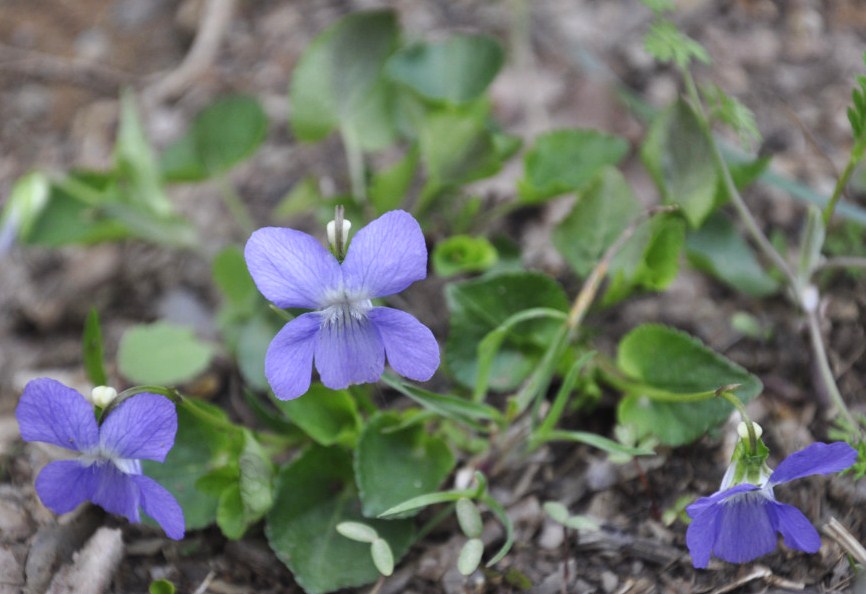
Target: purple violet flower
<point>740,523</point>
<point>347,336</point>
<point>108,471</point>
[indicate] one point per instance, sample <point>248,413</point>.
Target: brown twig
<point>214,23</point>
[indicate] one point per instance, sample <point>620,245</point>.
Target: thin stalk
<point>739,204</point>
<point>767,248</point>
<point>235,205</point>
<point>355,160</point>
<point>824,369</point>
<point>728,395</point>
<point>843,262</point>
<point>841,183</point>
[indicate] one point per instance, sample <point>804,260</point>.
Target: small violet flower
<point>347,337</point>
<point>108,471</point>
<point>739,522</point>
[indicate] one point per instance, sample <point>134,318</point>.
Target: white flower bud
<point>332,232</point>
<point>809,298</point>
<point>102,396</point>
<point>743,431</point>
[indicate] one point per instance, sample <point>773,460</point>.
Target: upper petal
<point>116,492</point>
<point>795,527</point>
<point>63,485</point>
<point>291,268</point>
<point>161,505</point>
<point>349,352</point>
<point>702,533</point>
<point>818,458</point>
<point>51,412</point>
<point>745,531</point>
<point>289,360</point>
<point>410,347</point>
<point>386,256</point>
<point>142,426</point>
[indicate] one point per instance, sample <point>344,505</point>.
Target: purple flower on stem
<point>739,524</point>
<point>108,471</point>
<point>347,337</point>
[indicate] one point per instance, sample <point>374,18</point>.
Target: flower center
<point>342,309</point>
<point>100,456</point>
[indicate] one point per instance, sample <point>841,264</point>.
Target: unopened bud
<point>809,298</point>
<point>332,232</point>
<point>102,396</point>
<point>743,431</point>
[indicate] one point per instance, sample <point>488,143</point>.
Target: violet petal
<point>116,492</point>
<point>795,527</point>
<point>386,256</point>
<point>53,413</point>
<point>744,530</point>
<point>63,485</point>
<point>289,359</point>
<point>142,426</point>
<point>410,347</point>
<point>349,352</point>
<point>160,505</point>
<point>818,458</point>
<point>291,268</point>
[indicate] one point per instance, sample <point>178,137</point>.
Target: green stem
<point>767,248</point>
<point>736,199</point>
<point>355,160</point>
<point>826,373</point>
<point>235,205</point>
<point>841,183</point>
<point>728,395</point>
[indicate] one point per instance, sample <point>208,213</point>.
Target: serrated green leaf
<point>600,215</point>
<point>679,157</point>
<point>649,260</point>
<point>162,353</point>
<point>454,70</point>
<point>565,161</point>
<point>661,360</point>
<point>328,416</point>
<point>718,249</point>
<point>732,112</point>
<point>313,495</point>
<point>463,253</point>
<point>222,135</point>
<point>92,350</point>
<point>338,82</point>
<point>479,306</point>
<point>666,43</point>
<point>393,466</point>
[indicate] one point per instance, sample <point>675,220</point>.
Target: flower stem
<point>355,160</point>
<point>773,255</point>
<point>235,205</point>
<point>838,190</point>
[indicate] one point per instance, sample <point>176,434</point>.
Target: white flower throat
<point>343,308</point>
